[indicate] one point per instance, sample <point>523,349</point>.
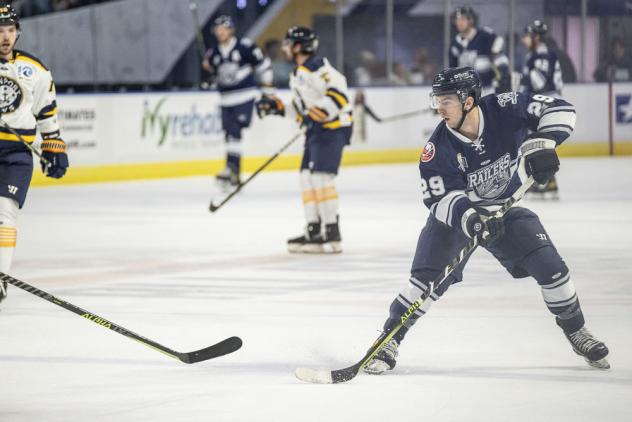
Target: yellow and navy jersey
<point>27,99</point>
<point>318,86</point>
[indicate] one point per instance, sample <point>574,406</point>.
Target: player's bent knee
<point>545,265</point>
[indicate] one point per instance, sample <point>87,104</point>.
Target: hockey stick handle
<point>199,37</point>
<point>466,251</point>
<point>226,346</point>
<point>346,374</point>
<point>28,145</point>
<point>88,315</point>
<point>214,207</point>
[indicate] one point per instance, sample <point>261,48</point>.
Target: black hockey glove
<point>540,158</point>
<point>54,150</point>
<point>269,105</point>
<point>486,231</point>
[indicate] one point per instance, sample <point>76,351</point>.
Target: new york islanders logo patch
<point>428,153</point>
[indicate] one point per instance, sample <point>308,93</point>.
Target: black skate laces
<point>583,340</point>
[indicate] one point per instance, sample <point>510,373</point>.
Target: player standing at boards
<point>542,75</point>
<point>236,64</point>
<point>321,104</point>
<point>477,157</point>
<point>481,49</point>
<point>27,104</point>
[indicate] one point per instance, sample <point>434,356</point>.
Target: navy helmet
<point>8,16</point>
<point>467,12</point>
<point>305,37</point>
<point>537,27</point>
<point>224,20</point>
<point>462,81</point>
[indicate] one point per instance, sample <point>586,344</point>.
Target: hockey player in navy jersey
<point>27,104</point>
<point>321,104</point>
<point>477,157</point>
<point>238,67</point>
<point>481,49</point>
<point>541,74</point>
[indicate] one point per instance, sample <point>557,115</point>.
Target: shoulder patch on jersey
<point>26,57</point>
<point>428,152</point>
<point>507,97</point>
<point>246,42</point>
<point>314,63</point>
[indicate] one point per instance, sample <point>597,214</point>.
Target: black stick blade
<point>222,348</point>
<point>212,207</point>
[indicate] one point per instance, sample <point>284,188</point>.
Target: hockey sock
<point>8,232</point>
<point>309,197</point>
<point>326,196</point>
<point>558,290</point>
<point>233,153</point>
<point>413,290</point>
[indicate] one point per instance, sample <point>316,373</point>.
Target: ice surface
<point>149,256</point>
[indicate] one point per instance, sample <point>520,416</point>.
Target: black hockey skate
<point>311,242</point>
<point>227,178</point>
<point>3,290</point>
<point>384,360</point>
<point>591,349</point>
<point>332,239</point>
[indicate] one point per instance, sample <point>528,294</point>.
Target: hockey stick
<point>407,115</point>
<point>213,207</point>
<point>199,37</point>
<point>224,347</point>
<point>346,374</point>
<point>29,146</point>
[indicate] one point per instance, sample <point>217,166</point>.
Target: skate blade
<point>314,249</point>
<point>332,247</point>
<point>601,364</point>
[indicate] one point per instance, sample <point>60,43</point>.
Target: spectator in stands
<point>370,71</point>
<point>618,66</point>
<point>400,75</point>
<point>281,68</point>
<point>423,69</point>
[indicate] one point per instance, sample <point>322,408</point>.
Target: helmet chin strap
<point>463,116</point>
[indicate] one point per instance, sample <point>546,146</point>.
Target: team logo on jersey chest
<point>428,153</point>
<point>490,181</point>
<point>10,95</point>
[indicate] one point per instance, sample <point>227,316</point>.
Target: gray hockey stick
<point>388,119</point>
<point>213,207</point>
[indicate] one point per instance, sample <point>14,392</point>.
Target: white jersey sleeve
<point>318,87</point>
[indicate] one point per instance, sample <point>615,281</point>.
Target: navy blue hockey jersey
<point>541,73</point>
<point>484,52</point>
<point>236,66</point>
<point>458,174</point>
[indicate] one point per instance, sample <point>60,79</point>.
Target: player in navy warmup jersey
<point>541,74</point>
<point>239,67</point>
<point>477,157</point>
<point>481,49</point>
